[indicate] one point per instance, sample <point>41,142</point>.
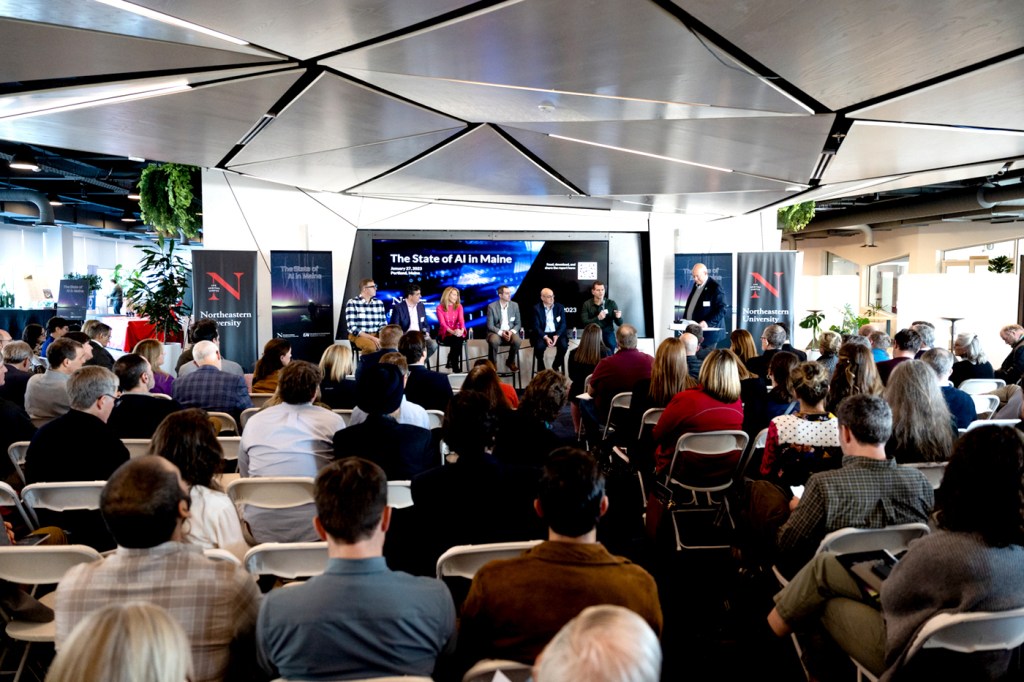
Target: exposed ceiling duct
<point>27,196</point>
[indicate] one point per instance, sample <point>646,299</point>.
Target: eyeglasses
<point>370,286</point>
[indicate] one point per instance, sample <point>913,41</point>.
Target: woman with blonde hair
<point>828,345</point>
<point>669,375</point>
<point>452,327</point>
<point>855,373</point>
<point>741,342</point>
<point>923,430</point>
<point>276,354</point>
<point>714,405</point>
<point>153,350</point>
<point>336,388</point>
<point>974,365</point>
<point>130,642</point>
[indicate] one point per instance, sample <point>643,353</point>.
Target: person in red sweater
<point>714,405</point>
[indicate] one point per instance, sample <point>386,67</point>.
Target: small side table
<point>952,330</point>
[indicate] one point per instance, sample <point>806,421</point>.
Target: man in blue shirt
<point>359,619</point>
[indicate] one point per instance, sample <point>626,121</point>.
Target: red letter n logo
<point>233,290</point>
<point>758,277</point>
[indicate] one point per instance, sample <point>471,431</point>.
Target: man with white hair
<point>210,388</point>
<point>1012,368</point>
<point>18,361</point>
<point>605,643</point>
<point>706,304</point>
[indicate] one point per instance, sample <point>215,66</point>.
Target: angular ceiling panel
<point>715,203</point>
<point>334,113</point>
<point>784,148</point>
<point>339,169</point>
<point>992,97</point>
<point>842,52</point>
<point>613,48</point>
<point>199,126</point>
<point>479,163</point>
<point>892,183</point>
<point>872,150</point>
<point>599,171</point>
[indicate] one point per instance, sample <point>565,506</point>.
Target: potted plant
<point>851,323</point>
<point>169,201</point>
<point>1000,264</point>
<point>813,322</point>
<point>156,289</point>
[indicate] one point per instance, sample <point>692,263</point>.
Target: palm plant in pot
<point>156,289</point>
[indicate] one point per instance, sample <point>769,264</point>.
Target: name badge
<point>707,304</point>
<point>558,319</point>
<point>511,319</point>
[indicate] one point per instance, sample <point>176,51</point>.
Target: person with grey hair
<point>18,361</point>
<point>99,337</point>
<point>774,339</point>
<point>617,373</point>
<point>926,330</point>
<point>605,643</point>
<point>209,387</point>
<point>829,343</point>
<point>1012,368</point>
<point>880,344</point>
<point>975,364</point>
<point>960,404</point>
<point>46,395</point>
<point>14,424</point>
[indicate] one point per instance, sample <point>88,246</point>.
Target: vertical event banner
<point>225,291</point>
<point>719,267</point>
<point>302,309</point>
<point>766,290</point>
<point>73,299</point>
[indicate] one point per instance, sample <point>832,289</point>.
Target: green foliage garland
<point>167,199</point>
<point>795,217</point>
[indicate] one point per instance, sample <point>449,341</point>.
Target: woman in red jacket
<point>452,326</point>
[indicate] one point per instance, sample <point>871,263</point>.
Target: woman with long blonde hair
<point>153,351</point>
<point>923,430</point>
<point>452,327</point>
<point>855,373</point>
<point>741,342</point>
<point>336,388</point>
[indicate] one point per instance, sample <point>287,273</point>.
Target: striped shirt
<point>364,316</point>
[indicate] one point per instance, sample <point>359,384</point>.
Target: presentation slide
<point>478,267</point>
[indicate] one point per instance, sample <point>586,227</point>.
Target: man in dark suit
<point>411,315</point>
<point>773,340</point>
<point>210,388</point>
<point>138,412</point>
<point>706,304</point>
<point>549,330</point>
<point>429,389</point>
<point>503,325</point>
<point>389,336</point>
<point>18,361</point>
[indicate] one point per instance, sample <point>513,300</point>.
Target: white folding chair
<point>289,560</point>
<point>893,538</point>
<point>973,386</point>
<point>399,494</point>
<point>488,669</point>
<point>933,471</point>
<point>225,422</point>
<point>137,447</point>
<point>62,496</point>
<point>619,401</point>
<point>456,379</point>
<point>259,399</point>
<point>218,554</point>
<point>463,561</point>
<point>39,565</point>
<point>17,451</point>
<point>9,498</point>
<point>344,414</point>
<point>230,445</point>
<point>985,405</point>
<point>977,423</point>
<point>246,413</point>
<point>272,492</point>
<point>435,418</point>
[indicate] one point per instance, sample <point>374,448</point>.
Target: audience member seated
<point>337,390</point>
<point>33,334</point>
<point>277,353</point>
<point>960,404</point>
<point>153,351</point>
<point>1012,368</point>
<point>880,345</point>
<point>975,364</point>
<point>82,338</point>
<point>774,339</point>
<point>974,562</point>
<point>807,441</point>
<point>615,374</point>
<point>870,490</point>
<point>389,336</point>
<point>402,450</point>
<point>742,344</point>
<point>754,396</point>
<point>702,348</point>
<point>603,644</point>
<point>780,398</point>
<point>866,330</point>
<point>926,330</point>
<point>424,387</point>
<point>828,347</point>
<point>690,346</point>
<point>669,376</point>
<point>294,438</point>
<point>904,347</point>
<point>855,374</point>
<point>99,337</point>
<point>359,619</point>
<point>476,499</point>
<point>145,505</point>
<point>582,362</point>
<point>515,606</point>
<point>209,387</point>
<point>923,430</point>
<point>526,436</point>
<point>408,412</point>
<point>56,327</point>
<point>134,641</point>
<point>483,378</point>
<point>18,360</point>
<point>14,426</point>
<point>204,330</point>
<point>137,412</point>
<point>46,395</point>
<point>188,440</point>
<point>713,406</point>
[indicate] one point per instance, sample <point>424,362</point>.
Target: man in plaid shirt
<point>364,316</point>
<point>209,387</point>
<point>145,505</point>
<point>869,491</point>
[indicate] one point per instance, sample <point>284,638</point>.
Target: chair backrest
<point>893,538</point>
<point>969,632</point>
<point>42,564</point>
<point>991,422</point>
<point>712,459</point>
<point>344,414</point>
<point>933,471</point>
<point>618,401</point>
<point>399,494</point>
<point>435,418</point>
<point>161,396</point>
<point>230,446</point>
<point>137,447</point>
<point>287,559</point>
<point>9,498</point>
<point>985,405</point>
<point>17,451</point>
<point>218,554</point>
<point>464,561</point>
<point>227,423</point>
<point>981,385</point>
<point>246,413</point>
<point>259,399</point>
<point>487,671</point>
<point>456,379</point>
<point>272,492</point>
<point>62,496</point>
<point>759,441</point>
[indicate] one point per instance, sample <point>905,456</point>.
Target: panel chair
<point>226,424</point>
<point>272,492</point>
<point>463,561</point>
<point>711,461</point>
<point>39,565</point>
<point>973,386</point>
<point>17,451</point>
<point>985,405</point>
<point>137,447</point>
<point>62,496</point>
<point>399,494</point>
<point>288,560</point>
<point>259,399</point>
<point>246,414</point>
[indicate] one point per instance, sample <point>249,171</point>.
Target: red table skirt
<point>140,329</point>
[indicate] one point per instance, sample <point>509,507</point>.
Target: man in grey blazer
<point>503,325</point>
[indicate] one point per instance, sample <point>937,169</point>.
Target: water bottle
<point>574,333</point>
<point>522,333</point>
<point>470,334</point>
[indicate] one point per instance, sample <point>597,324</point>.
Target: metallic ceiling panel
<point>334,113</point>
<point>779,147</point>
<point>992,97</point>
<point>74,53</point>
<point>616,48</point>
<point>305,28</point>
<point>889,184</point>
<point>715,203</point>
<point>571,201</point>
<point>198,127</point>
<point>494,103</point>
<point>872,150</point>
<point>842,52</point>
<point>339,169</point>
<point>93,16</point>
<point>479,163</point>
<point>599,171</point>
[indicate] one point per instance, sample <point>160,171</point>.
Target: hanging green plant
<point>168,201</point>
<point>795,217</point>
<point>1000,264</point>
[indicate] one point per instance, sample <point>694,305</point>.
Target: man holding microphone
<point>602,312</point>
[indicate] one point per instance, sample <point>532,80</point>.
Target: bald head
<point>700,274</point>
<point>5,337</point>
<point>690,343</point>
<point>206,353</point>
<point>547,297</point>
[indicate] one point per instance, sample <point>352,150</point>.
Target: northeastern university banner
<point>301,286</point>
<point>765,291</point>
<point>225,291</point>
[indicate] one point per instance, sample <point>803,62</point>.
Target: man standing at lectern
<point>706,304</point>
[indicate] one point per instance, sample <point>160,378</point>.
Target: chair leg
<point>24,660</point>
